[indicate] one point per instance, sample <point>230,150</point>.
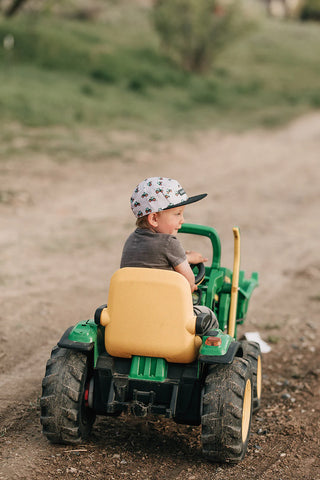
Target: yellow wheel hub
<point>259,378</point>
<point>246,410</point>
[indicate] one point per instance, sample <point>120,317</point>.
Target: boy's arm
<point>185,270</point>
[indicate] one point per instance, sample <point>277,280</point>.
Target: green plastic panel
<point>148,368</point>
<point>224,306</point>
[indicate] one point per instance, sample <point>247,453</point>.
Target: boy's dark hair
<point>142,222</point>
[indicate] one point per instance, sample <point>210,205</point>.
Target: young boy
<point>159,203</point>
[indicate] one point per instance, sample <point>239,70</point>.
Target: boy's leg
<point>203,309</point>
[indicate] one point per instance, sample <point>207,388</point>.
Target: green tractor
<point>147,353</point>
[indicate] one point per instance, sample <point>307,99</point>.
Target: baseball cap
<point>159,193</point>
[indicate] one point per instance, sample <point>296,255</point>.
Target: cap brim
<point>193,199</point>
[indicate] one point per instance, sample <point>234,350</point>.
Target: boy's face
<point>168,221</point>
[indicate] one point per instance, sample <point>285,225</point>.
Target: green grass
<point>113,75</point>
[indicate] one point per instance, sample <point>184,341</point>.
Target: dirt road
<point>62,230</point>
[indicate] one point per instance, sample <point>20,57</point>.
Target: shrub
<point>193,31</point>
<point>310,10</point>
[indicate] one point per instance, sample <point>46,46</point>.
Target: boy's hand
<point>195,257</point>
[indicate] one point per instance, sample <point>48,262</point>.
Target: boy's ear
<point>153,219</point>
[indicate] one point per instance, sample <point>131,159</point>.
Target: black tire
<point>227,411</point>
<point>64,416</point>
<point>252,353</point>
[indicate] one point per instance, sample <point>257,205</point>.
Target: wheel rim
<point>246,411</point>
<point>259,378</point>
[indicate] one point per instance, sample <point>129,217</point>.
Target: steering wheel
<point>201,272</point>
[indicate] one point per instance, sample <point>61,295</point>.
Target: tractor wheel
<point>227,411</point>
<point>252,353</point>
<point>64,415</point>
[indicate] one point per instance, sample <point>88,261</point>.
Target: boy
<point>159,203</point>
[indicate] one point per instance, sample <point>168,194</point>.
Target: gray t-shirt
<point>148,249</point>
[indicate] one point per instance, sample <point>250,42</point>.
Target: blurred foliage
<point>192,32</point>
<point>310,10</point>
<point>112,74</point>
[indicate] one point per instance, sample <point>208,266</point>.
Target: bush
<point>310,10</point>
<point>193,31</point>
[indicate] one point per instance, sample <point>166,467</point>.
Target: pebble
<point>286,396</point>
<point>71,470</point>
<point>311,325</point>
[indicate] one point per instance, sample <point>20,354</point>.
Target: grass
<point>113,75</point>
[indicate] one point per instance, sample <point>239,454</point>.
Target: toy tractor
<point>147,353</point>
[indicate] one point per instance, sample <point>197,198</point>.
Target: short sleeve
<point>175,252</point>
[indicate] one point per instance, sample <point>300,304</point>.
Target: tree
<point>14,7</point>
<point>193,31</point>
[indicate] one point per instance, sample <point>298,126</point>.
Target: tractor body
<point>145,352</point>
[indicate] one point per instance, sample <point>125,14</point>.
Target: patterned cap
<point>159,193</point>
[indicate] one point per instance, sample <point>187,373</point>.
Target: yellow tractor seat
<point>150,313</point>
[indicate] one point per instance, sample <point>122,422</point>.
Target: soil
<point>62,229</point>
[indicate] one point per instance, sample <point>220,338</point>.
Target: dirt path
<point>62,230</point>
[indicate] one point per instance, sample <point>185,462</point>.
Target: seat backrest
<point>150,313</point>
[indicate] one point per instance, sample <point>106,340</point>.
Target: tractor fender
<point>84,337</point>
<point>80,346</point>
<point>227,358</point>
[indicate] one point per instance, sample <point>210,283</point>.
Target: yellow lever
<point>235,283</point>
